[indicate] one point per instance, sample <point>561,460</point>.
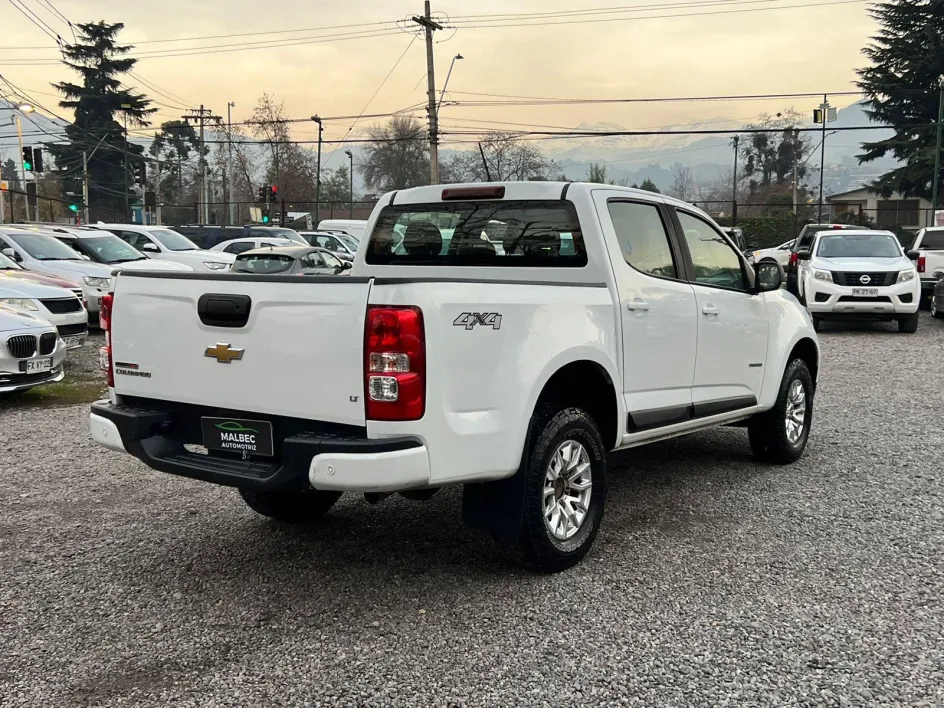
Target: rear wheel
<point>294,506</point>
<point>909,324</point>
<point>780,434</point>
<point>564,492</point>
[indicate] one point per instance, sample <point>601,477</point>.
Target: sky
<point>747,47</point>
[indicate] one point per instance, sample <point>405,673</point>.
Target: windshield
<point>348,241</point>
<point>7,264</point>
<point>540,233</point>
<point>264,264</point>
<point>287,233</point>
<point>107,249</point>
<point>44,248</point>
<point>173,241</point>
<point>877,246</point>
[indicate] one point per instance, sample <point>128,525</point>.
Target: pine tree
<point>902,90</point>
<point>101,105</point>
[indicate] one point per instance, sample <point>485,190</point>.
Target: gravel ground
<point>714,581</point>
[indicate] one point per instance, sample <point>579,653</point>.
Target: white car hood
<point>198,257</point>
<point>26,289</point>
<point>79,268</point>
<point>152,264</point>
<point>11,319</point>
<point>862,265</point>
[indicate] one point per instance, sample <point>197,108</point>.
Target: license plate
<point>75,341</point>
<point>248,437</point>
<point>864,292</point>
<point>36,366</point>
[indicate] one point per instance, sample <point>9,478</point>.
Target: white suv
<point>860,275</point>
<point>166,244</point>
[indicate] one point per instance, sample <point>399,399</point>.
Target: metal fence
<point>289,213</point>
<point>19,207</point>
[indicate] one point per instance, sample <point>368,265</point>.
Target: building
<point>896,211</point>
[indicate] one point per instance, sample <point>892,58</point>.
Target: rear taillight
<point>104,321</point>
<point>394,363</point>
<point>794,259</point>
<point>922,263</point>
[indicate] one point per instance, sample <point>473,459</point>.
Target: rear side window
<point>643,238</point>
<point>933,241</point>
<point>479,233</point>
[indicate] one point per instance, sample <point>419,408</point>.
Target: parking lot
<point>715,581</point>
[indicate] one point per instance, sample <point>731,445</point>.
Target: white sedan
<point>59,306</point>
<point>241,245</point>
<point>33,352</point>
<point>780,253</point>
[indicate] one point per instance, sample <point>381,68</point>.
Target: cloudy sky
<point>722,47</point>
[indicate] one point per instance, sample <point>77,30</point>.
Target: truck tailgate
<point>298,353</point>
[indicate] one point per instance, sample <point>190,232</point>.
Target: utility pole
<point>318,173</point>
<point>427,23</point>
<point>157,193</point>
<point>85,186</point>
<point>734,186</point>
<point>125,107</point>
<point>350,156</point>
<point>19,135</point>
<point>488,174</point>
<point>936,179</point>
<point>229,164</point>
<point>201,116</point>
<point>824,113</point>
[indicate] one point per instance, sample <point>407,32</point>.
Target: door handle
<point>709,310</point>
<point>637,305</point>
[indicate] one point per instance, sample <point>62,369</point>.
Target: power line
<point>36,20</point>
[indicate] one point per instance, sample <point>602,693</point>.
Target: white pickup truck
<point>608,318</point>
<point>929,243</point>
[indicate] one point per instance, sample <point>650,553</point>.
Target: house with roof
<point>894,212</point>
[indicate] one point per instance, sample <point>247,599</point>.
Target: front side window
<point>714,261</point>
<point>330,260</point>
<point>479,233</point>
<point>643,238</point>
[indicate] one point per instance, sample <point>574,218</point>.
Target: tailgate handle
<point>220,310</point>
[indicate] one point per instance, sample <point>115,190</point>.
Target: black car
<point>804,242</point>
<point>206,236</point>
<point>290,260</point>
<point>937,297</point>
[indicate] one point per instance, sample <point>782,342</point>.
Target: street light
<point>318,173</point>
<point>443,94</point>
<point>350,156</point>
<point>25,108</point>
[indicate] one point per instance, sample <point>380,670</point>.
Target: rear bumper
<point>303,460</point>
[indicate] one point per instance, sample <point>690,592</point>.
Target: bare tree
<point>292,167</point>
<point>683,184</point>
<point>509,159</point>
<point>397,156</point>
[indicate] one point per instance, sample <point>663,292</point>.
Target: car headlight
<point>823,275</point>
<point>101,283</point>
<point>906,275</point>
<point>20,303</point>
<point>216,265</point>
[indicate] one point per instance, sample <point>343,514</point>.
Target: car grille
<point>47,343</point>
<point>877,298</point>
<point>855,279</point>
<point>22,346</point>
<point>63,306</point>
<point>72,330</point>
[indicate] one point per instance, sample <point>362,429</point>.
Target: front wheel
<point>909,324</point>
<point>293,506</point>
<point>780,434</point>
<point>564,492</point>
<point>936,311</point>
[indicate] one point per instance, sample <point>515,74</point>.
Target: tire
<point>295,506</point>
<point>767,432</point>
<point>555,433</point>
<point>817,324</point>
<point>909,324</point>
<point>935,312</point>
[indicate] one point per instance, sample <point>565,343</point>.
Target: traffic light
<point>28,159</point>
<point>262,193</point>
<point>273,192</point>
<point>139,169</point>
<point>37,160</point>
<point>74,208</point>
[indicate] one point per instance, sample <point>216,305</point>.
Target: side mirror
<point>150,248</point>
<point>11,254</point>
<point>913,255</point>
<point>804,255</point>
<point>346,265</point>
<point>769,276</point>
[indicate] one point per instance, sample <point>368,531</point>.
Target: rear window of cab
<point>505,233</point>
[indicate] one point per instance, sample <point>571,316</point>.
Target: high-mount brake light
<point>394,363</point>
<point>104,321</point>
<point>473,193</point>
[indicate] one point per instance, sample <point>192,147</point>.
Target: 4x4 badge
<point>223,353</point>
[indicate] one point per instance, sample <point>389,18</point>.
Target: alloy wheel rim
<point>795,419</point>
<point>568,484</point>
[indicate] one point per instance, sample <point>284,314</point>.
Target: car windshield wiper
<point>128,260</point>
<point>57,259</point>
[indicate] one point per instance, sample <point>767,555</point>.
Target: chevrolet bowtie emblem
<point>223,354</point>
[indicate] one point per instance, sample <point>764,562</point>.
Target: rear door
<point>279,345</point>
<point>657,310</point>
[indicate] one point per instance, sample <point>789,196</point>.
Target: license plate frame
<point>249,438</point>
<point>74,341</point>
<point>864,292</point>
<point>42,365</point>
